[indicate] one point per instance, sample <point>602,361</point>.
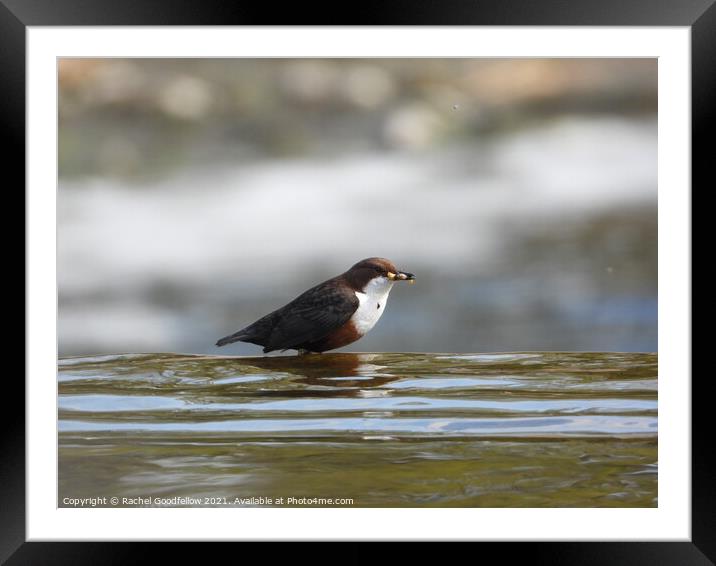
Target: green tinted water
<point>378,430</point>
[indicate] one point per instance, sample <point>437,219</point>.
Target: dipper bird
<point>330,315</point>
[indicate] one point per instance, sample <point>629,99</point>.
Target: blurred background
<point>196,195</point>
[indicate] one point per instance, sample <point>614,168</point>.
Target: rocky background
<point>196,195</point>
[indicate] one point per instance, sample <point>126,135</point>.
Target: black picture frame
<point>17,15</point>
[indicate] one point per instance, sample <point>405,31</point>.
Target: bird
<point>330,315</point>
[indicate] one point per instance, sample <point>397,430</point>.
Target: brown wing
<point>312,315</point>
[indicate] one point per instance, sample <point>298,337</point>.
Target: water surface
<point>373,430</point>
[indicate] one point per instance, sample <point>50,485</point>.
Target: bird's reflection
<point>345,373</point>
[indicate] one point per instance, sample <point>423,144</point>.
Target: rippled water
<point>482,430</point>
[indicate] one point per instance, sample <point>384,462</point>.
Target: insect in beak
<point>401,276</point>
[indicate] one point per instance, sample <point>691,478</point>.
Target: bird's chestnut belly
<point>340,337</point>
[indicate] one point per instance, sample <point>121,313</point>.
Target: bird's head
<point>376,268</point>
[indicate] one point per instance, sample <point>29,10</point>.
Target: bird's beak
<point>401,276</point>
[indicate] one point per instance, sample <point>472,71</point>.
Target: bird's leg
<point>303,352</point>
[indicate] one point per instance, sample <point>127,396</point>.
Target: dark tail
<point>235,337</point>
<point>257,333</point>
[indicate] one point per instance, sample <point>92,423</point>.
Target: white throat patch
<point>372,304</point>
